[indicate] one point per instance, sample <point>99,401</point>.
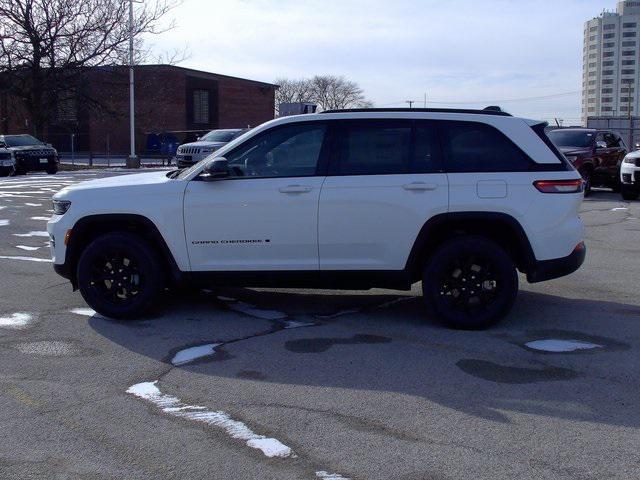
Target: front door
<point>264,216</point>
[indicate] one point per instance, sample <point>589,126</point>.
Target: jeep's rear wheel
<point>470,282</point>
<point>120,275</point>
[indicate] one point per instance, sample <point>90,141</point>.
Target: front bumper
<point>558,267</point>
<point>32,163</point>
<point>630,174</point>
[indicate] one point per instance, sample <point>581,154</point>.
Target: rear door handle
<point>295,189</point>
<point>420,186</point>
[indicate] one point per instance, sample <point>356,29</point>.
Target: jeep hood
<point>203,144</point>
<point>119,181</point>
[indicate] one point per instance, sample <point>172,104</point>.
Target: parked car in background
<point>630,176</point>
<point>193,152</point>
<point>7,163</point>
<point>596,154</point>
<point>30,154</point>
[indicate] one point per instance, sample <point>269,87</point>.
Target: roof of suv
<point>486,111</point>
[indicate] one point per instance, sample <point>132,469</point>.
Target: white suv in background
<point>190,153</point>
<point>630,176</point>
<point>457,199</point>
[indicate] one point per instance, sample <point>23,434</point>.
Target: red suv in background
<point>596,154</point>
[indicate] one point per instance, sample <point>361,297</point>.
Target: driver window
<point>290,151</point>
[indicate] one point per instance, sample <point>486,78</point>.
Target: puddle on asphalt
<point>494,372</point>
<point>319,345</point>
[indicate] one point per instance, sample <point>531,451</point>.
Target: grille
<point>626,177</point>
<point>189,150</point>
<point>637,162</point>
<point>5,156</point>
<point>636,177</point>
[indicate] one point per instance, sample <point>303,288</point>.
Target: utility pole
<point>132,161</point>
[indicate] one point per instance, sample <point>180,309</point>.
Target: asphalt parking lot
<point>295,384</point>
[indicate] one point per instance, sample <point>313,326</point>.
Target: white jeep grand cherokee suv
<point>351,199</point>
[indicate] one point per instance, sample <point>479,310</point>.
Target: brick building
<point>169,99</point>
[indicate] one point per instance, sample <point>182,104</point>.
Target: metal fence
<point>628,128</point>
<point>91,159</point>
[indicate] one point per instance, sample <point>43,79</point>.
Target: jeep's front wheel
<point>120,275</point>
<point>470,282</point>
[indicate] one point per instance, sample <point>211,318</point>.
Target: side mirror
<point>600,144</point>
<point>216,168</point>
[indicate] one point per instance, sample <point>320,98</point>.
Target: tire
<point>629,193</point>
<point>6,171</point>
<point>587,176</point>
<point>143,275</point>
<point>52,170</point>
<point>463,259</point>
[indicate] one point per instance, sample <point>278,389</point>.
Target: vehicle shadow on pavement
<point>388,344</point>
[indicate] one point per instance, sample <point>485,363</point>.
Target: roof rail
<point>487,111</point>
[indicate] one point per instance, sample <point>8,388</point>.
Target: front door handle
<point>420,186</point>
<point>295,189</point>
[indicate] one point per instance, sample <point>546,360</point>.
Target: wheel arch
<point>90,227</point>
<point>502,228</point>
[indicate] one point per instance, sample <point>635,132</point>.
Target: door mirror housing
<point>216,168</point>
<point>600,144</point>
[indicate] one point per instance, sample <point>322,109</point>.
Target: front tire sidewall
<point>501,264</point>
<point>151,274</point>
<point>629,193</point>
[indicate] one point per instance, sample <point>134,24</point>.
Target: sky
<point>461,53</point>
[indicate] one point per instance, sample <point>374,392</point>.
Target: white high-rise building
<point>611,63</point>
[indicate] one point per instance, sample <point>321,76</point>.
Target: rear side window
<point>477,147</point>
<point>373,148</point>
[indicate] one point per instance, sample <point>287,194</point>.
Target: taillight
<point>559,186</point>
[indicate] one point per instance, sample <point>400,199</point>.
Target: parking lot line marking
<point>270,447</point>
<point>27,259</point>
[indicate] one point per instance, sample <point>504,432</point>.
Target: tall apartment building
<point>611,63</point>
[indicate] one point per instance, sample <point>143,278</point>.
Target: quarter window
<point>289,151</point>
<point>477,147</point>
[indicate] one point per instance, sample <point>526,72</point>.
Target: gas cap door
<point>491,189</point>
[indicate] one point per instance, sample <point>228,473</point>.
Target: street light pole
<point>132,161</point>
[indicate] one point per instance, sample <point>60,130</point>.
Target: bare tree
<point>45,45</point>
<point>327,91</point>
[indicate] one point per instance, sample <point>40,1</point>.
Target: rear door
<point>385,181</point>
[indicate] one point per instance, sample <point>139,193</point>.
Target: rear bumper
<point>558,267</point>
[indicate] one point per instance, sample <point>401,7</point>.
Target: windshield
<point>21,140</point>
<point>571,138</point>
<point>221,136</point>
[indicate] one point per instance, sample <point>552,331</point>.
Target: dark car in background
<point>596,154</point>
<point>30,154</point>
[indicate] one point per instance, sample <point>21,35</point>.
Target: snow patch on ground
<point>270,447</point>
<point>330,476</point>
<point>27,248</point>
<point>190,354</point>
<point>32,233</point>
<point>44,219</point>
<point>252,310</point>
<point>294,324</point>
<point>617,209</point>
<point>17,321</point>
<point>27,259</point>
<point>558,346</point>
<point>88,312</point>
<point>33,204</point>
<point>4,222</point>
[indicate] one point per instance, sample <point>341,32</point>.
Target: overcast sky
<point>487,51</point>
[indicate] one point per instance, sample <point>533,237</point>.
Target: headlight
<point>60,207</point>
<point>629,159</point>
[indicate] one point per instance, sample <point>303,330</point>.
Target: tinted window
<point>426,157</point>
<point>612,140</point>
<point>373,147</point>
<point>290,151</point>
<point>221,135</point>
<point>21,140</point>
<point>571,138</point>
<point>477,147</point>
